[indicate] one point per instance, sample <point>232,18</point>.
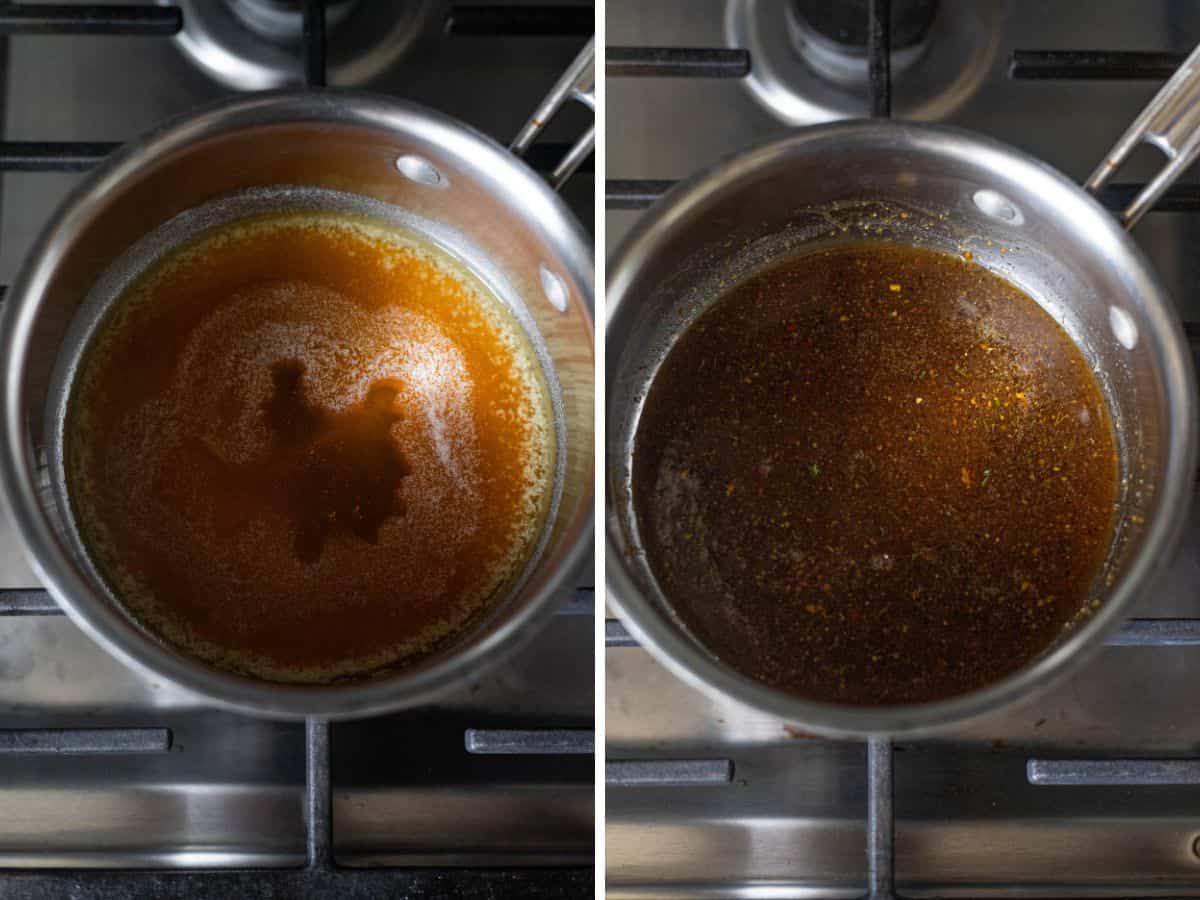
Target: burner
<point>282,21</point>
<point>254,45</point>
<point>832,37</point>
<point>810,59</point>
<point>845,23</point>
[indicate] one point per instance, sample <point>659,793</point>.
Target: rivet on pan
<point>1123,327</point>
<point>554,289</point>
<point>422,171</point>
<point>997,206</point>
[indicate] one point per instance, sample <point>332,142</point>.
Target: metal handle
<point>1171,122</point>
<point>577,83</point>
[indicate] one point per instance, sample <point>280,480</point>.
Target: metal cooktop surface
<point>136,774</point>
<point>759,809</point>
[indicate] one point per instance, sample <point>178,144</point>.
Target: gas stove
<point>1092,790</point>
<point>117,785</point>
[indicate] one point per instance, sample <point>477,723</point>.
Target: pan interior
<point>191,226</point>
<point>796,525</point>
<point>684,290</point>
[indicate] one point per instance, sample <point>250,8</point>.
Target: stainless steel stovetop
<point>228,790</point>
<point>764,811</point>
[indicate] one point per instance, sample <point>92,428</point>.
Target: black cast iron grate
<point>629,194</point>
<point>320,876</point>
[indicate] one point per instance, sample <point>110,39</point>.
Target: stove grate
<point>319,877</point>
<point>141,19</point>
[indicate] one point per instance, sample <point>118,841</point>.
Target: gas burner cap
<point>805,70</point>
<point>282,21</point>
<point>254,45</point>
<point>832,37</point>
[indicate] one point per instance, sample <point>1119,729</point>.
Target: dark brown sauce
<point>875,475</point>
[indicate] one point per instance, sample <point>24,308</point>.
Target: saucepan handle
<point>1171,122</point>
<point>577,83</point>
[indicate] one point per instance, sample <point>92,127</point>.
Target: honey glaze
<point>308,447</point>
<point>875,475</point>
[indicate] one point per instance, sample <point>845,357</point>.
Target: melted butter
<point>309,447</point>
<point>326,471</point>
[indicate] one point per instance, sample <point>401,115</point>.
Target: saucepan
<point>960,191</point>
<point>485,205</point>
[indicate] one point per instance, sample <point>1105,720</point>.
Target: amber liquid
<point>309,447</point>
<point>876,475</point>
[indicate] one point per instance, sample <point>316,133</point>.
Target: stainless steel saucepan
<point>465,193</point>
<point>959,191</point>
